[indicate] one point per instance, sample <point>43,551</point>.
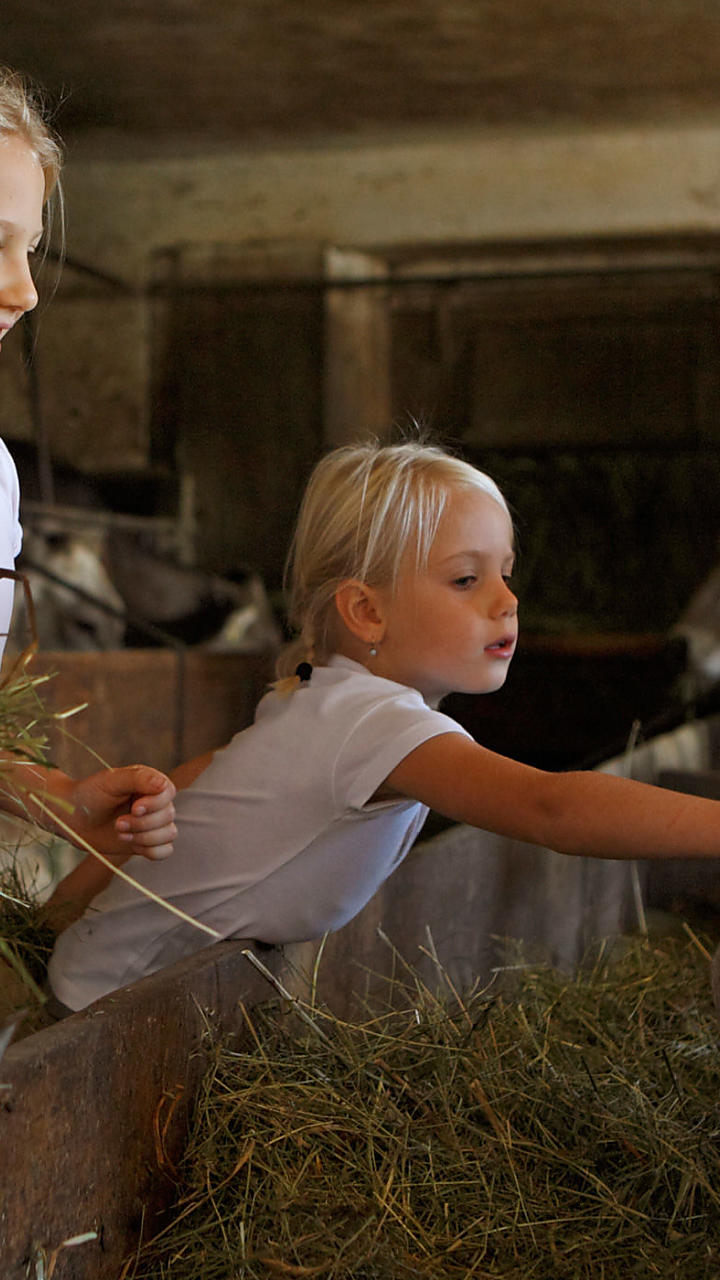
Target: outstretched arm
<point>587,814</point>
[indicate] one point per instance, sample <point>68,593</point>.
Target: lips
<point>502,648</point>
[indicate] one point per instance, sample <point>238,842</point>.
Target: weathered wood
<point>239,411</point>
<point>84,1099</point>
<point>356,375</point>
<point>93,1113</point>
<point>154,706</point>
<point>464,897</point>
<point>226,78</point>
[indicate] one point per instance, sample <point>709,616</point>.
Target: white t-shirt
<point>278,839</point>
<point>10,537</point>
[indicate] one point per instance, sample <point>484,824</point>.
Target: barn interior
<point>288,225</point>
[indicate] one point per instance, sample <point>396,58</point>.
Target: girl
<point>400,590</point>
<point>120,811</point>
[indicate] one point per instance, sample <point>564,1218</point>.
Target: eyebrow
<point>475,555</point>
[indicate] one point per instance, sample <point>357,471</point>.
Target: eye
<point>466,581</point>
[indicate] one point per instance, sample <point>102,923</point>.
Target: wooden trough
<point>93,1111</point>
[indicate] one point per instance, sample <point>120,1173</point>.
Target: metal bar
<point>99,516</point>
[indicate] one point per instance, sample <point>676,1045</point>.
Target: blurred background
<point>290,224</point>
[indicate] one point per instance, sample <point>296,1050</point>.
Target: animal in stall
<point>57,552</point>
<point>191,605</point>
<point>67,618</point>
<point>135,576</point>
<point>699,626</point>
<point>95,589</point>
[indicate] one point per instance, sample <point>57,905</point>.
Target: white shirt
<point>10,536</point>
<point>278,840</point>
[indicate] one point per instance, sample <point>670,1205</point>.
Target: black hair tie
<point>303,671</point>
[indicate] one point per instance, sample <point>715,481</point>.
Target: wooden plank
<point>149,705</point>
<point>94,1111</point>
<point>356,374</point>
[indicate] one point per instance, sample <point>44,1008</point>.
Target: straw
<point>549,1128</point>
<point>26,936</point>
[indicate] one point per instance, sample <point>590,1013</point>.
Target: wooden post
<point>356,379</point>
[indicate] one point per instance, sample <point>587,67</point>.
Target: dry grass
<point>26,940</point>
<point>549,1126</point>
<point>26,943</point>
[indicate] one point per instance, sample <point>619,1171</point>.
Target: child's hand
<point>126,811</point>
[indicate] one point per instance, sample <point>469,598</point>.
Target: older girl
<point>400,590</point>
<point>120,811</point>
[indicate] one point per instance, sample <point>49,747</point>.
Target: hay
<point>561,1127</point>
<point>23,925</point>
<point>26,943</point>
<point>26,938</point>
<point>24,721</point>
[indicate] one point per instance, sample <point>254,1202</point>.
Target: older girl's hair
<point>364,508</point>
<point>23,113</point>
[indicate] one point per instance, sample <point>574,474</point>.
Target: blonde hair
<point>365,506</point>
<point>24,114</point>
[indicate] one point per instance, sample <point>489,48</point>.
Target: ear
<point>360,609</point>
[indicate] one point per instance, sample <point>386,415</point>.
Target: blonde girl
<point>400,588</point>
<point>121,811</point>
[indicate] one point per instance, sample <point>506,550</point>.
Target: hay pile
<point>23,927</point>
<point>560,1128</point>
<point>26,939</point>
<point>26,943</point>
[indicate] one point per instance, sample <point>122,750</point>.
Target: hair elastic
<point>303,671</point>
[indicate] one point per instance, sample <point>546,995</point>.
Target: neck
<point>348,646</point>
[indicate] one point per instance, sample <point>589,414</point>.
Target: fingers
<point>155,803</point>
<point>155,843</point>
<point>157,853</point>
<point>148,826</point>
<point>141,780</point>
<point>149,829</point>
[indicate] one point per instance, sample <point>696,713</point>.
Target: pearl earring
<point>373,651</point>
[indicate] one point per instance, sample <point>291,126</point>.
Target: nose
<point>505,602</point>
<point>17,287</point>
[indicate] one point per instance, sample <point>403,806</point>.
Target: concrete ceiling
<point>152,76</point>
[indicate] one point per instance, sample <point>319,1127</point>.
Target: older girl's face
<point>22,195</point>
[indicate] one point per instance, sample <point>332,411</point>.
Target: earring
<point>373,651</point>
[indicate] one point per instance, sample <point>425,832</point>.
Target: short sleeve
<point>379,740</point>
